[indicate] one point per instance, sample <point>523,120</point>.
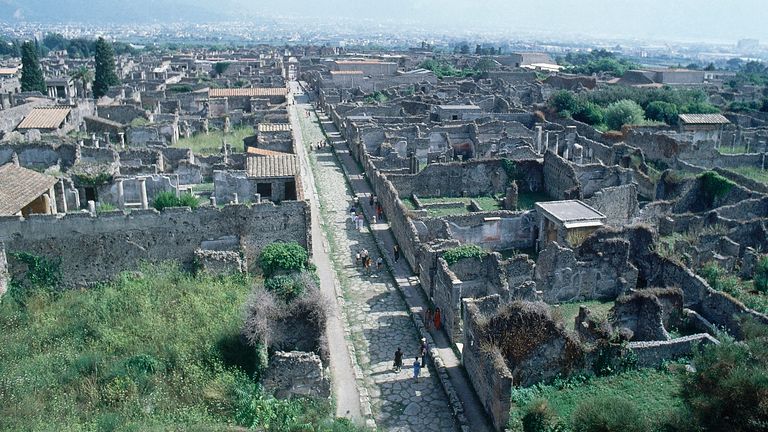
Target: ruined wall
<point>495,231</point>
<point>296,374</point>
<point>655,353</point>
<point>473,178</point>
<point>93,249</point>
<point>618,204</point>
<point>560,180</point>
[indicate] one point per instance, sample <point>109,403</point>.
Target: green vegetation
<point>608,414</point>
<point>202,144</point>
<point>105,76</point>
<point>597,61</point>
<point>623,112</point>
<point>761,275</point>
<point>221,67</point>
<point>569,311</point>
<point>105,207</point>
<point>444,69</point>
<point>526,200</point>
<point>714,186</point>
<point>570,403</point>
<point>32,78</point>
<point>657,105</point>
<point>376,96</point>
<point>168,199</point>
<point>157,349</point>
<point>755,174</point>
<point>452,256</point>
<point>283,257</point>
<point>721,280</point>
<point>84,75</point>
<point>180,88</point>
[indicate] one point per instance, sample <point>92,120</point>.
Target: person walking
<point>398,360</point>
<point>370,200</point>
<point>379,264</point>
<point>428,318</point>
<point>423,352</point>
<point>416,368</point>
<point>396,253</point>
<point>437,318</point>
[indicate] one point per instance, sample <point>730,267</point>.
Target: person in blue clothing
<point>416,369</point>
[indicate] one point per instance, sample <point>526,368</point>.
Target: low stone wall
<point>297,374</point>
<point>655,353</point>
<point>92,249</point>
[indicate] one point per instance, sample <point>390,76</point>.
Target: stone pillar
<point>537,138</point>
<point>63,197</point>
<point>143,191</point>
<point>546,147</point>
<point>510,201</point>
<point>121,136</point>
<point>235,199</point>
<point>570,135</point>
<point>92,207</point>
<point>77,198</point>
<point>120,195</point>
<point>213,201</point>
<point>107,140</point>
<point>52,196</point>
<point>47,203</point>
<point>257,198</point>
<point>578,154</point>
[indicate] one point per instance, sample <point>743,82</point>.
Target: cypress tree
<point>105,68</point>
<point>31,74</point>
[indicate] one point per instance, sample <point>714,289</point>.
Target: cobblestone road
<point>376,313</point>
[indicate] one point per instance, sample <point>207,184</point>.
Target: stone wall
<point>618,204</point>
<point>495,231</point>
<point>656,353</point>
<point>123,114</point>
<point>473,178</point>
<point>560,180</point>
<point>93,249</point>
<point>296,374</point>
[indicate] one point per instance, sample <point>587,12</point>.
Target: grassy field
<point>653,392</point>
<point>569,311</point>
<point>158,349</point>
<point>526,200</point>
<point>755,174</point>
<point>210,144</point>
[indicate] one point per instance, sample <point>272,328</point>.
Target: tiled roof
<point>249,92</point>
<point>361,62</point>
<point>351,72</point>
<point>20,186</point>
<point>274,127</point>
<point>272,166</point>
<point>256,151</point>
<point>703,119</point>
<point>45,118</point>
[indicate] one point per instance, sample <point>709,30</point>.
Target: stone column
<point>235,199</point>
<point>257,198</point>
<point>52,195</point>
<point>63,197</point>
<point>510,201</point>
<point>120,195</point>
<point>107,141</point>
<point>92,207</point>
<point>213,201</point>
<point>537,138</point>
<point>77,198</point>
<point>143,190</point>
<point>121,135</point>
<point>47,203</point>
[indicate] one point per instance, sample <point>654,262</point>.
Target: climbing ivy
<point>41,272</point>
<point>452,256</point>
<point>714,186</point>
<point>510,169</point>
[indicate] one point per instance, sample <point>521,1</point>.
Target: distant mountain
<point>113,11</point>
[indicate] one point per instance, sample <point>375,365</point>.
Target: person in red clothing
<point>437,318</point>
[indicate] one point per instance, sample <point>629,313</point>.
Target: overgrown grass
<point>210,144</point>
<point>158,349</point>
<point>744,291</point>
<point>755,174</point>
<point>569,311</point>
<point>654,393</point>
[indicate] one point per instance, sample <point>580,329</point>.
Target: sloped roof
<point>45,118</point>
<point>256,151</point>
<point>703,119</point>
<point>248,92</point>
<point>20,186</point>
<point>571,213</point>
<point>272,166</point>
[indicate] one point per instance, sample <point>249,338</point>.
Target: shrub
<point>539,416</point>
<point>283,257</point>
<point>603,414</point>
<point>761,274</point>
<point>714,186</point>
<point>165,200</point>
<point>452,256</point>
<point>563,101</point>
<point>285,287</point>
<point>623,112</point>
<point>729,388</point>
<point>590,113</point>
<point>662,111</point>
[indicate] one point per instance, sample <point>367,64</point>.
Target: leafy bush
<point>165,200</point>
<point>729,388</point>
<point>761,274</point>
<point>539,417</point>
<point>589,113</point>
<point>285,287</point>
<point>452,256</point>
<point>714,186</point>
<point>662,111</point>
<point>283,257</point>
<point>623,112</point>
<point>607,414</point>
<point>564,101</point>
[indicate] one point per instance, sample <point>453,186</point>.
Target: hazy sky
<point>724,20</point>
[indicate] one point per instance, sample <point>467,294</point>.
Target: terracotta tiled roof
<point>352,72</point>
<point>249,92</point>
<point>703,119</point>
<point>274,127</point>
<point>272,166</point>
<point>20,186</point>
<point>45,118</point>
<point>256,151</point>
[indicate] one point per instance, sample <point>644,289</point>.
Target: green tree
<point>31,74</point>
<point>589,113</point>
<point>85,76</point>
<point>105,68</point>
<point>662,111</point>
<point>623,112</point>
<point>564,102</point>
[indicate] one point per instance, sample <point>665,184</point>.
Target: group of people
<point>363,258</point>
<point>356,216</point>
<point>432,318</point>
<point>378,210</point>
<point>419,362</point>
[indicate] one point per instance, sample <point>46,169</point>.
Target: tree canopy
<point>105,68</point>
<point>32,78</point>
